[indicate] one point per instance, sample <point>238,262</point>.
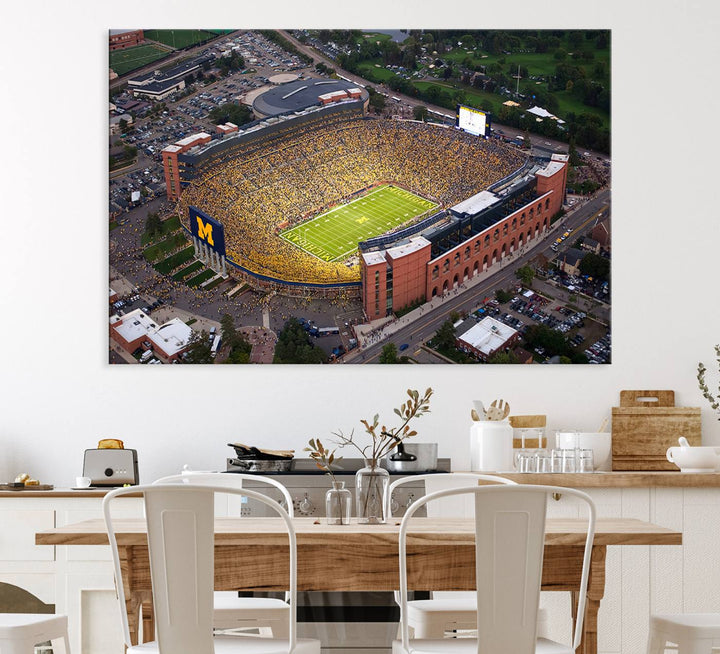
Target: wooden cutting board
<point>645,425</point>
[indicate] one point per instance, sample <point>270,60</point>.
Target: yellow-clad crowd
<point>275,182</point>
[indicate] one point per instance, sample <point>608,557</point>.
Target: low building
<point>115,126</point>
<point>569,261</point>
<point>601,233</point>
<point>121,39</point>
<point>168,341</point>
<point>486,338</point>
<point>158,84</point>
<point>591,245</point>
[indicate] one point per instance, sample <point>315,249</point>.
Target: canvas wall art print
<point>359,197</point>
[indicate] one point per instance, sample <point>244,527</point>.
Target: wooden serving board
<point>45,487</point>
<point>643,430</point>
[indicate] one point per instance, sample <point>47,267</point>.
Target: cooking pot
<point>413,457</point>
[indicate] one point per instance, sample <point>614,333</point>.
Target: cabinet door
<point>17,536</point>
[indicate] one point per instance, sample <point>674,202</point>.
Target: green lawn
<point>334,235</point>
<point>160,249</point>
<point>374,74</point>
<point>123,61</point>
<point>179,38</point>
<point>202,277</point>
<point>175,260</point>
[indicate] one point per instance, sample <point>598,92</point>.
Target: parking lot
<point>189,114</point>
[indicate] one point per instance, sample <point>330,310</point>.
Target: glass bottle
<point>371,487</point>
<point>338,501</point>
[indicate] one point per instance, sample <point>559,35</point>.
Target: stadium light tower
<point>517,88</point>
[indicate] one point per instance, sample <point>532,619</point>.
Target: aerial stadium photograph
<point>368,197</point>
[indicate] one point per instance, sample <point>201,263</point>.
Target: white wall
<point>58,395</point>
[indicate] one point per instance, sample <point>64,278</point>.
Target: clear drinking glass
<point>568,461</point>
<point>585,461</point>
<point>543,461</point>
<point>526,461</point>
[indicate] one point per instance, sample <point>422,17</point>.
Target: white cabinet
<point>77,579</point>
<point>644,579</point>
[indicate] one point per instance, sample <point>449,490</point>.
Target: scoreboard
<point>473,121</point>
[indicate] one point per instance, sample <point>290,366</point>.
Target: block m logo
<point>205,231</point>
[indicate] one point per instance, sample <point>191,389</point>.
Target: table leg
<point>596,591</point>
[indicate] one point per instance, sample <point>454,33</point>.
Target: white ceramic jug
<point>491,446</point>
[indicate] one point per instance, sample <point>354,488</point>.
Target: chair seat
<point>703,625</point>
<point>26,626</point>
<point>251,606</point>
<point>469,646</point>
<point>244,644</point>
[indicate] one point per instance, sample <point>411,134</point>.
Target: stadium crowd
<point>263,185</point>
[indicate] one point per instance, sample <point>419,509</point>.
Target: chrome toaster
<point>111,467</point>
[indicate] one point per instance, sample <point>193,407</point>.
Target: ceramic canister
<point>491,446</point>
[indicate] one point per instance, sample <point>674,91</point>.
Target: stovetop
<point>345,467</point>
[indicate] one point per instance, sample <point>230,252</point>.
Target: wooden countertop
<point>642,479</point>
<point>57,493</point>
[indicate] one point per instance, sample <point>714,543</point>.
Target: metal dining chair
<point>693,633</point>
<point>267,614</point>
<point>447,611</point>
<point>509,545</point>
<point>180,522</point>
<point>21,632</point>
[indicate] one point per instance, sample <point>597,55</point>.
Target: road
<point>433,314</point>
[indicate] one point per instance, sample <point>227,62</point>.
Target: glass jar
<point>338,501</point>
<point>371,487</point>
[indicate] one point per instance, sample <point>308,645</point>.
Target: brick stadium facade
<point>428,265</point>
<point>126,39</point>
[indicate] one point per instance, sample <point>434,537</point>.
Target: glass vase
<point>371,487</point>
<point>338,501</point>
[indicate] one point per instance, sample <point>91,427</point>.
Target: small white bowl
<point>695,459</point>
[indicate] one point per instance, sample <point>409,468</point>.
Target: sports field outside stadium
<point>335,234</point>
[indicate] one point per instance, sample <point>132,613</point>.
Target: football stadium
<point>317,196</point>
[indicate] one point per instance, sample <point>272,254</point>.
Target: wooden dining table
<point>251,554</point>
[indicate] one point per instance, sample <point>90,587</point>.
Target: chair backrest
<point>442,481</point>
<point>180,530</point>
<point>509,545</point>
<point>230,479</point>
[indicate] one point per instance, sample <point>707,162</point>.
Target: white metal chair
<point>180,529</point>
<point>20,632</point>
<point>446,611</point>
<point>233,612</point>
<point>509,545</point>
<point>693,633</point>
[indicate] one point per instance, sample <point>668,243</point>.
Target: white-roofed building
<point>135,329</point>
<point>486,338</point>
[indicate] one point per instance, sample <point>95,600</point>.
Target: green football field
<point>334,235</point>
<point>123,61</point>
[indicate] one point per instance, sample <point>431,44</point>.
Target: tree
<point>525,274</point>
<point>230,112</point>
<point>153,224</point>
<point>503,357</point>
<point>227,328</point>
<point>389,354</point>
<point>595,266</point>
<point>420,113</point>
<point>503,296</point>
<point>199,349</point>
<point>445,336</point>
<point>239,348</point>
<point>294,345</point>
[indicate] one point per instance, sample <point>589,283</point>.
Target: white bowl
<point>599,442</point>
<point>695,459</point>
